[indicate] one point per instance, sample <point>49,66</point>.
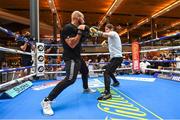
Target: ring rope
<point>16,81</point>
<point>98,70</point>
<point>15,51</point>
<point>161,38</point>
<point>15,69</point>
<point>64,64</point>
<point>85,45</point>
<point>166,71</point>
<point>159,49</point>
<point>86,54</point>
<point>164,61</point>
<point>144,51</point>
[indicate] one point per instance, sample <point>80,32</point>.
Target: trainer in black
<point>115,84</point>
<point>105,97</point>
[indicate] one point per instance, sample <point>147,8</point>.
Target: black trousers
<point>84,74</point>
<point>72,67</point>
<point>109,70</point>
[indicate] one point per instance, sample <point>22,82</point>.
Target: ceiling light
<point>113,7</point>
<point>146,34</point>
<point>164,10</point>
<point>122,32</point>
<point>54,11</point>
<point>163,29</point>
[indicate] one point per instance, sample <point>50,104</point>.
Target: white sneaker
<point>46,106</point>
<point>88,90</point>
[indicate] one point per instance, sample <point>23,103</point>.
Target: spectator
<point>101,62</point>
<point>2,60</point>
<point>26,60</point>
<point>178,63</point>
<point>143,65</point>
<point>52,59</point>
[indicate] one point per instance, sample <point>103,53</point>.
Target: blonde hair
<point>76,14</point>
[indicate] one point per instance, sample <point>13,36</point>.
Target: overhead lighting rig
<point>110,11</point>
<point>54,11</point>
<point>155,15</point>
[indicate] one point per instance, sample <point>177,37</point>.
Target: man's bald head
<point>77,17</point>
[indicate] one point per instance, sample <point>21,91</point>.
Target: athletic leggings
<point>109,70</point>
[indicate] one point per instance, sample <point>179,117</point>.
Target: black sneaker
<point>105,97</point>
<point>115,84</point>
<point>103,93</point>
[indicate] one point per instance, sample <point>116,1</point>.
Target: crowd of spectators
<point>168,61</point>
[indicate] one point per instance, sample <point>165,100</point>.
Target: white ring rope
<point>159,49</point>
<point>15,51</point>
<point>16,81</point>
<point>164,61</point>
<point>87,54</point>
<point>64,64</point>
<point>11,69</point>
<point>98,70</point>
<point>143,51</point>
<point>166,71</point>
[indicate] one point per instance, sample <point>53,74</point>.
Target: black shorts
<point>113,65</point>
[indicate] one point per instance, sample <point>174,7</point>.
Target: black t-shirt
<point>28,49</point>
<point>69,53</point>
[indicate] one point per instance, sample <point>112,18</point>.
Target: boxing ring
<point>139,96</point>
